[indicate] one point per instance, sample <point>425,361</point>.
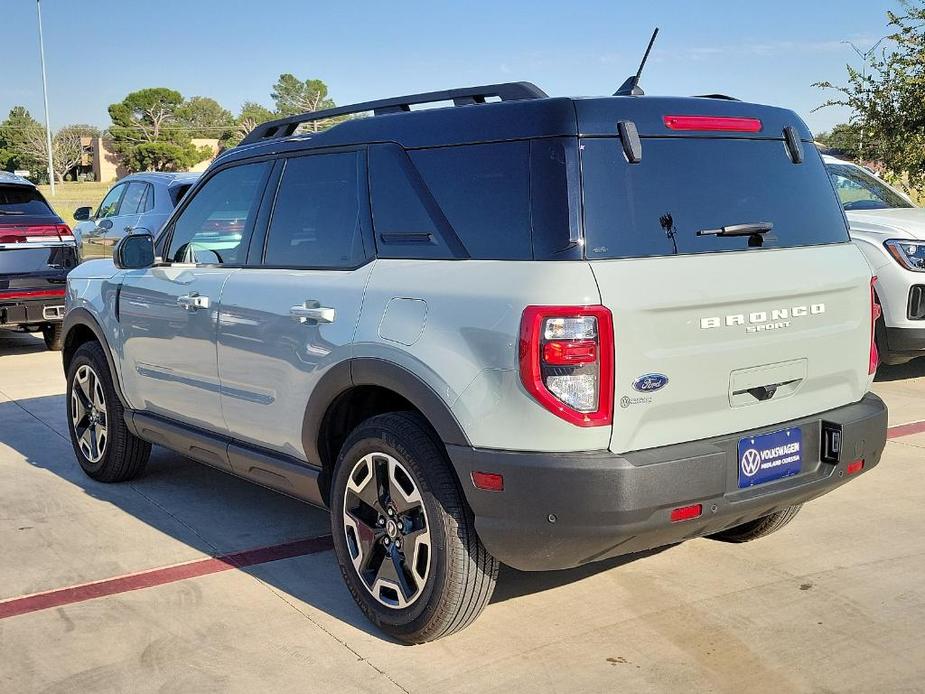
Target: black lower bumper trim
<point>32,311</point>
<point>560,510</point>
<point>907,343</point>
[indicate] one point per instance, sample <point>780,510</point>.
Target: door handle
<point>192,301</point>
<point>310,310</point>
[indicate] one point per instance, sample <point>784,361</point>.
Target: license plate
<point>770,456</point>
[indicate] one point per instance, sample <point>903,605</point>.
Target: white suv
<point>890,230</point>
<point>521,329</point>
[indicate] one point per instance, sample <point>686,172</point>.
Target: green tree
<point>252,114</point>
<point>887,96</point>
<point>293,96</point>
<point>844,138</point>
<point>146,130</point>
<point>19,134</point>
<point>205,117</point>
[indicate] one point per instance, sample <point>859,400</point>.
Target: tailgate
<point>34,266</point>
<point>726,263</point>
<point>745,340</point>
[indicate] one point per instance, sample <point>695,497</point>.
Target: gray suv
<point>140,202</point>
<point>521,329</point>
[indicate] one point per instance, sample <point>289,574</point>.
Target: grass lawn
<point>69,196</point>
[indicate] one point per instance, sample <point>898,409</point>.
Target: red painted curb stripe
<point>905,429</point>
<point>159,577</point>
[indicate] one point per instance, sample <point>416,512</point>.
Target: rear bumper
<point>31,311</point>
<point>607,505</point>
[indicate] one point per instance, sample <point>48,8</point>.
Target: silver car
<point>890,231</point>
<point>139,201</point>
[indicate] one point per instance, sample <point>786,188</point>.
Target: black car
<point>37,250</point>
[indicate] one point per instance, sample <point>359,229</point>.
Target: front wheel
<point>105,448</point>
<point>404,536</point>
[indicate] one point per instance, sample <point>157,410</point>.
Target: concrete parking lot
<point>190,580</point>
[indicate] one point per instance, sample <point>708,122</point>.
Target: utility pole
<point>865,58</point>
<point>51,168</point>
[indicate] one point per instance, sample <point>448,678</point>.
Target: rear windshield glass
<point>22,200</point>
<point>686,185</point>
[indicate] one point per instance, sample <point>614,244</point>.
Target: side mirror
<point>82,214</point>
<point>105,224</point>
<point>134,251</point>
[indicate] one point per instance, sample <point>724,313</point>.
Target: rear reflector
<point>686,513</point>
<point>489,481</point>
<point>723,123</point>
<point>854,467</point>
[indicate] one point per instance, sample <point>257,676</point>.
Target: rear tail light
<point>35,233</point>
<point>874,317</point>
<point>723,123</point>
<point>567,361</point>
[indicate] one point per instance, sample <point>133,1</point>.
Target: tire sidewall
<point>371,438</point>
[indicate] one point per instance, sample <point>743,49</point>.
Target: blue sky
<point>99,50</point>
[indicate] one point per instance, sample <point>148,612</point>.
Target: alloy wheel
<point>387,530</point>
<point>88,413</point>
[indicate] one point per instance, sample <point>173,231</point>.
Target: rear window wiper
<point>11,212</point>
<point>738,229</point>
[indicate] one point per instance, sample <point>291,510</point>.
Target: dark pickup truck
<point>37,250</point>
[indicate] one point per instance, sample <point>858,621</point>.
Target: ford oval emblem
<point>649,383</point>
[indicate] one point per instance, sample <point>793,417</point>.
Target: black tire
<point>758,527</point>
<point>461,575</point>
<point>122,455</point>
<point>54,336</point>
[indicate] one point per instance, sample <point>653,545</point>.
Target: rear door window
<point>133,202</point>
<point>317,218</point>
<point>22,200</point>
<point>685,185</point>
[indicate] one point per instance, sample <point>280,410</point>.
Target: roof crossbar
<point>510,91</point>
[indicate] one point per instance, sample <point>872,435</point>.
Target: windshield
<point>22,200</point>
<point>683,186</point>
<point>859,190</point>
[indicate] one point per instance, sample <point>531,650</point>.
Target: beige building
<point>107,165</point>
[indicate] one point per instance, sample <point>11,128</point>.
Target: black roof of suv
<point>520,111</point>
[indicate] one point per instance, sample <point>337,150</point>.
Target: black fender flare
<point>82,317</point>
<point>372,371</point>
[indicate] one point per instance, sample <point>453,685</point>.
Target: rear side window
<point>177,193</point>
<point>685,185</point>
<point>133,201</point>
<point>484,191</point>
<point>316,220</point>
<point>22,200</point>
<point>496,201</point>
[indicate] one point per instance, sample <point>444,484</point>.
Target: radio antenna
<point>631,86</point>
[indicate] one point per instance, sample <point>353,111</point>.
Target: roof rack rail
<point>509,91</point>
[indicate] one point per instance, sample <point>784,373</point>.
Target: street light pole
<point>51,168</point>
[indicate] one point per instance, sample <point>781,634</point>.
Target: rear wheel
<point>105,448</point>
<point>54,336</point>
<point>404,536</point>
<point>758,527</point>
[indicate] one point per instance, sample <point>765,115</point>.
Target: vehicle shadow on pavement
<point>208,510</point>
<point>12,342</point>
<point>911,369</point>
